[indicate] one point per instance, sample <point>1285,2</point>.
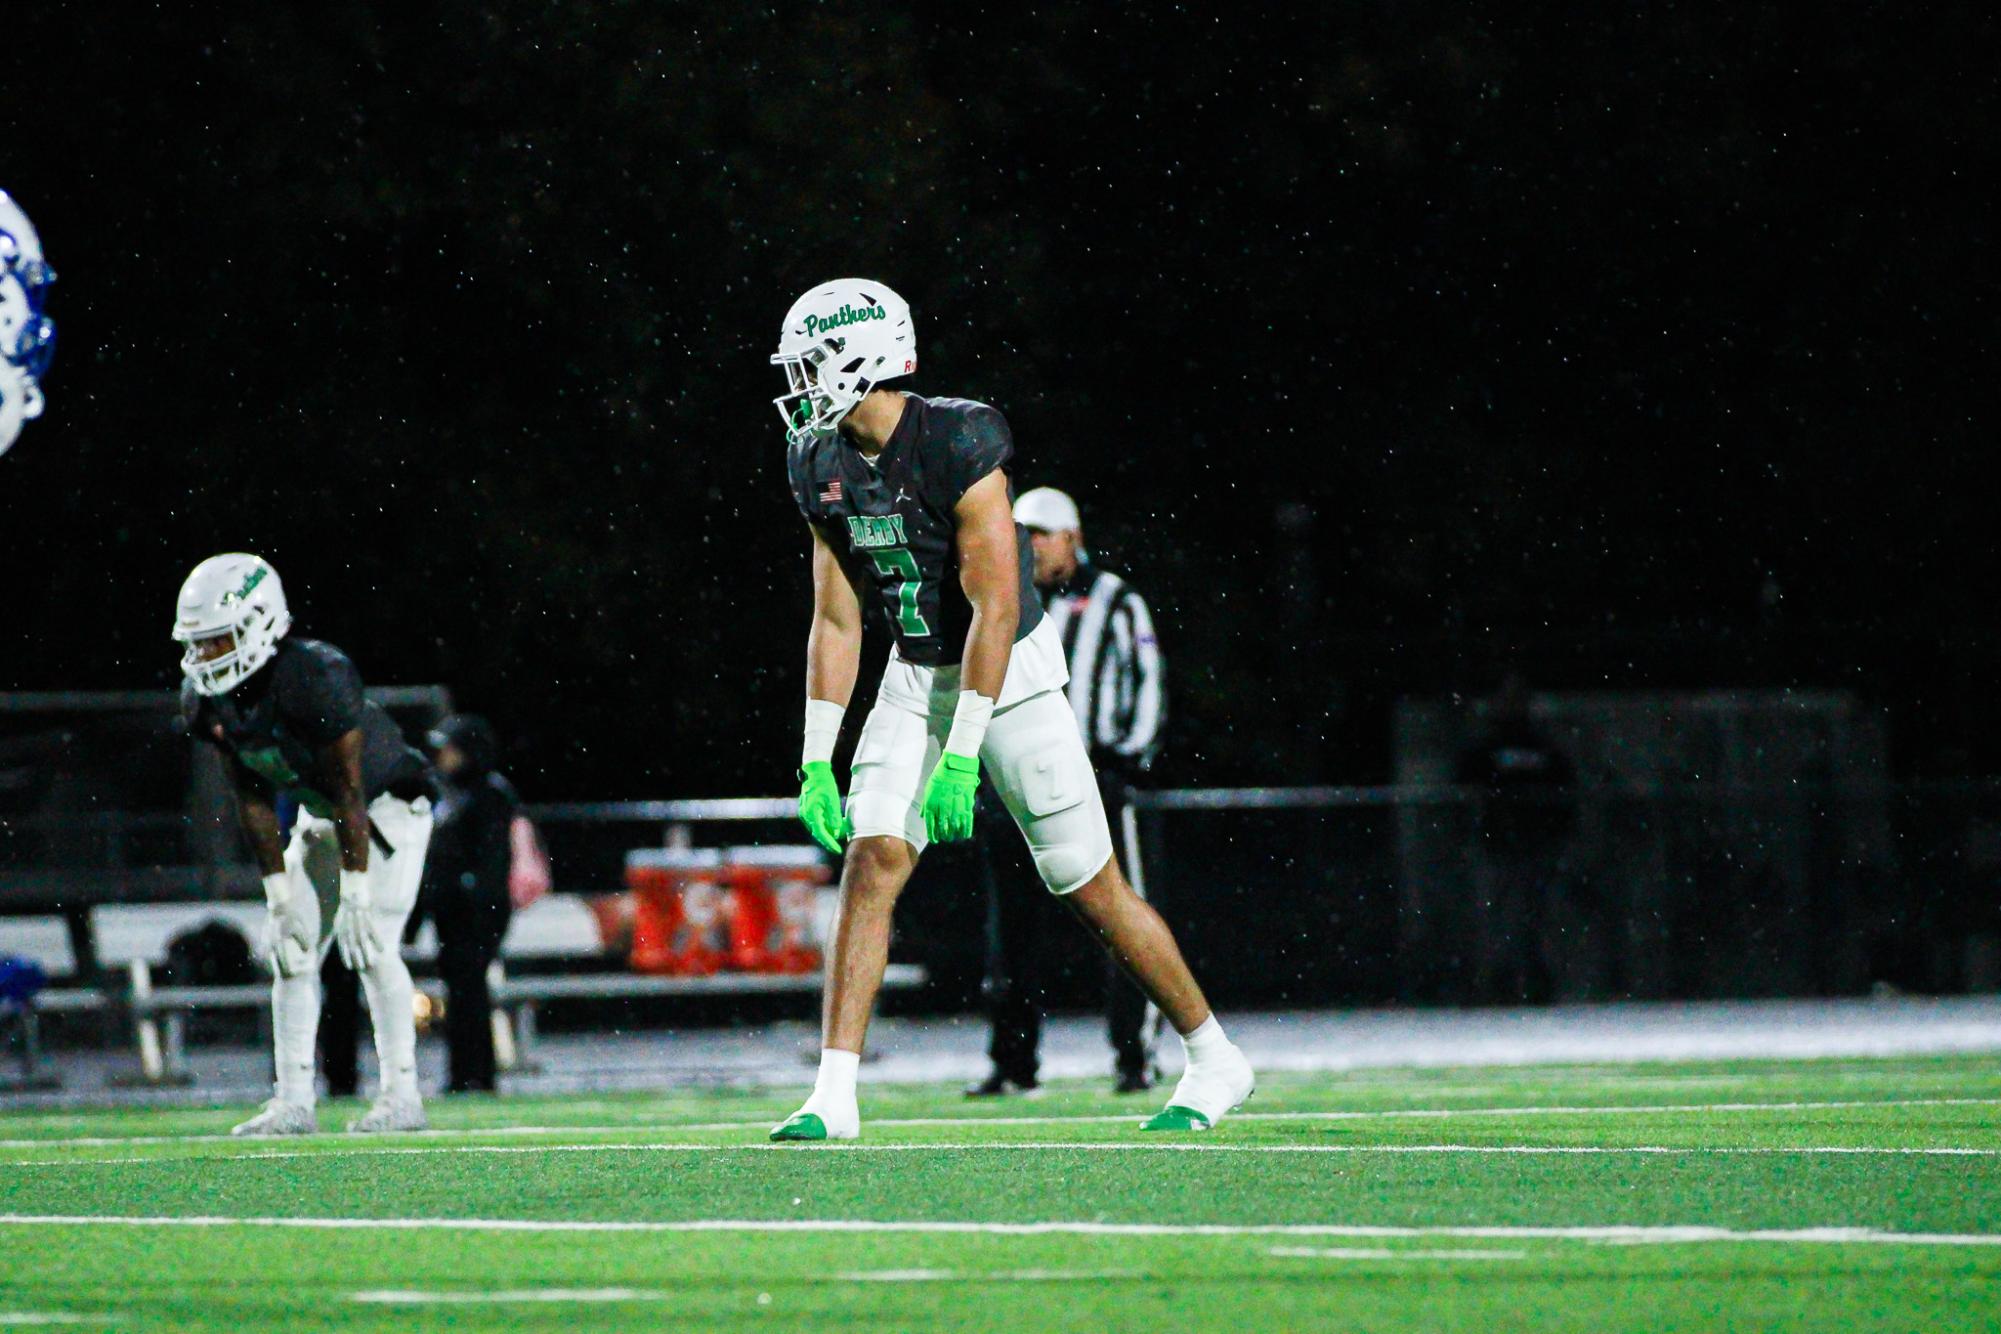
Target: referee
<point>1116,691</point>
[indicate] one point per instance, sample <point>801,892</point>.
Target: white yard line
<point>1613,1235</point>
<point>401,1297</point>
<point>986,1276</point>
<point>12,1319</point>
<point>1442,1113</point>
<point>1385,1253</point>
<point>602,1296</point>
<point>1017,1146</point>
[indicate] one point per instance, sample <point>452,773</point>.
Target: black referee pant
<point>469,936</point>
<point>1023,919</point>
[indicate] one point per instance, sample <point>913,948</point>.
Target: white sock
<point>295,1022</point>
<point>391,1015</point>
<point>1217,1079</point>
<point>835,1087</point>
<point>1205,1042</point>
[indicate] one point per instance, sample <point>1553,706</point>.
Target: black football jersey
<point>894,516</point>
<point>276,722</point>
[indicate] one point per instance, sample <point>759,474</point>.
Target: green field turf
<point>1839,1195</point>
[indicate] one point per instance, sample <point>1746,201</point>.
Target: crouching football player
<point>910,496</point>
<point>289,716</point>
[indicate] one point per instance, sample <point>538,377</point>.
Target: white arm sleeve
<point>823,729</point>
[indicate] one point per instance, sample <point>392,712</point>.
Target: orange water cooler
<point>678,909</point>
<point>773,892</point>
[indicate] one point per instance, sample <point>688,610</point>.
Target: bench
<point>555,929</point>
<point>133,937</point>
<point>43,940</point>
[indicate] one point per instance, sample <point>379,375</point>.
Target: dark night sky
<point>1382,343</point>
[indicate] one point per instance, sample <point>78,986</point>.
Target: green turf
<point>1402,1159</point>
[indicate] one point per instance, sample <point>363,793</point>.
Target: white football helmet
<point>27,336</point>
<point>237,595</point>
<point>840,341</point>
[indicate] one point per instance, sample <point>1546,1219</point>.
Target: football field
<point>1812,1195</point>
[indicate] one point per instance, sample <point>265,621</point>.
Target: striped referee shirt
<point>1116,686</point>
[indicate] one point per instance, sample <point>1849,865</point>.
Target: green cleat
<point>800,1126</point>
<point>1172,1117</point>
<point>1208,1092</point>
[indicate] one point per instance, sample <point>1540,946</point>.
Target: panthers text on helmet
<point>845,315</point>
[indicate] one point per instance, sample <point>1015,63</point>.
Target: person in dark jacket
<point>1527,814</point>
<point>466,889</point>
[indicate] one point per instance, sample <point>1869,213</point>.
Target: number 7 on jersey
<point>899,561</point>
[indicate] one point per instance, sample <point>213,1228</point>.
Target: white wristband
<point>353,886</point>
<point>823,729</point>
<point>969,724</point>
<point>277,892</point>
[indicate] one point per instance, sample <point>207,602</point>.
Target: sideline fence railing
<point>1363,893</point>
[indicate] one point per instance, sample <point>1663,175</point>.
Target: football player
<point>908,500</point>
<point>289,717</point>
<point>27,336</point>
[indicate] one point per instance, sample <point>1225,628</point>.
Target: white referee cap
<point>1048,509</point>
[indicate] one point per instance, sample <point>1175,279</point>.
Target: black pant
<point>469,940</point>
<point>340,1026</point>
<point>1516,945</point>
<point>1021,916</point>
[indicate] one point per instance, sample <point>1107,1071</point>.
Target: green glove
<point>948,798</point>
<point>820,806</point>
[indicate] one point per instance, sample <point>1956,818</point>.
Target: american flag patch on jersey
<point>830,494</point>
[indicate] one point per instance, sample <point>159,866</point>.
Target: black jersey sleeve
<point>800,465</point>
<point>982,442</point>
<point>320,694</point>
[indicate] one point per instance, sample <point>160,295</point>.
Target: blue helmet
<point>27,335</point>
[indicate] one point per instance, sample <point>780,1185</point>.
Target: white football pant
<point>312,863</point>
<point>1034,754</point>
